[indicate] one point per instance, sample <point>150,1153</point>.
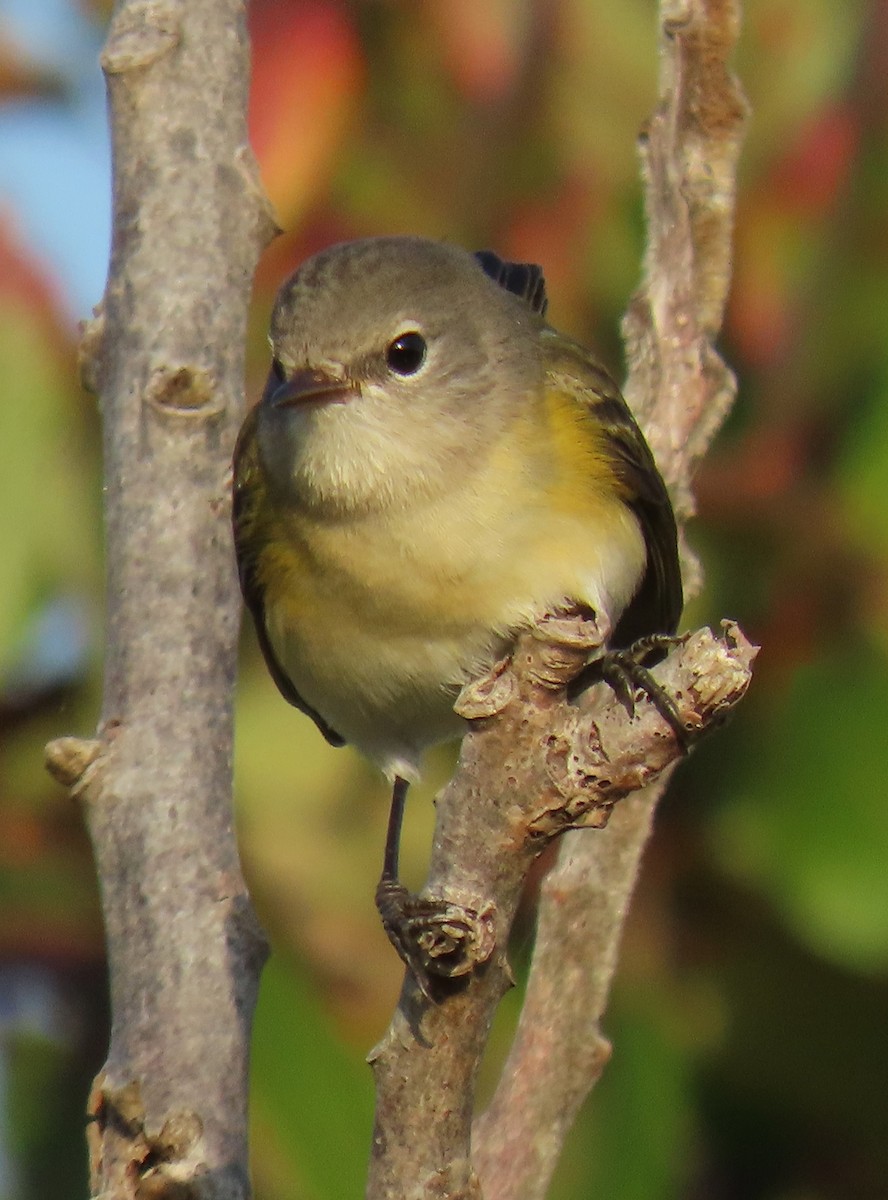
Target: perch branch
<point>681,390</point>
<point>530,770</point>
<point>532,766</point>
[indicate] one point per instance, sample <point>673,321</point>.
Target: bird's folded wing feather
<point>248,544</point>
<point>657,604</point>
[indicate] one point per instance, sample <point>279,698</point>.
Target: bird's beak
<point>306,388</point>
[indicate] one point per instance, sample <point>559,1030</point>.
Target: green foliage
<point>863,473</point>
<point>41,482</point>
<point>312,1101</point>
<point>808,826</point>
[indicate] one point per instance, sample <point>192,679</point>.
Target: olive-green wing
<point>656,606</point>
<point>249,539</point>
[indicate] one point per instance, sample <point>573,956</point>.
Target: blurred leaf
<point>306,82</point>
<point>863,473</point>
<point>479,44</point>
<point>818,165</point>
<point>810,827</point>
<point>792,56</point>
<point>632,1139</point>
<point>34,1063</point>
<point>315,1100</point>
<point>803,1063</point>
<point>41,486</point>
<point>45,1118</point>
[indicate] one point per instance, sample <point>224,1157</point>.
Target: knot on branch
<point>167,1165</point>
<point>558,647</point>
<point>70,759</point>
<point>245,164</point>
<point>183,392</point>
<point>489,695</point>
<point>545,658</point>
<point>458,941</point>
<point>140,34</point>
<point>439,938</point>
<point>456,1181</point>
<point>89,350</point>
<point>592,765</point>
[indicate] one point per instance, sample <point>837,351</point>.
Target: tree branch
<point>530,769</point>
<point>532,766</point>
<point>678,386</point>
<point>168,1111</point>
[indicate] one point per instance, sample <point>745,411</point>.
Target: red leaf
<point>308,73</point>
<point>810,176</point>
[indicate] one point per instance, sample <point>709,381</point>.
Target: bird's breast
<point>379,620</point>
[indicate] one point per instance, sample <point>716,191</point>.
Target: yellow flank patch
<point>582,478</point>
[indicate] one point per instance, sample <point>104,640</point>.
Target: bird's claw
<point>435,939</point>
<point>626,671</point>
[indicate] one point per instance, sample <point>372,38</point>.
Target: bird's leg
<point>435,939</point>
<point>392,855</point>
<point>626,671</point>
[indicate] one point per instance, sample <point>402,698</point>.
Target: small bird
<point>432,468</point>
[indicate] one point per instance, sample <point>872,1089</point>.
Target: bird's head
<point>395,362</point>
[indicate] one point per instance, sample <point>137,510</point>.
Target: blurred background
<point>750,1016</point>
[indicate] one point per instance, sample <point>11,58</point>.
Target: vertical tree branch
<point>532,766</point>
<point>168,1111</point>
<point>559,1053</point>
<point>681,390</point>
<point>677,384</point>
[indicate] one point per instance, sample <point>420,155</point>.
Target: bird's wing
<point>524,280</point>
<point>249,541</point>
<point>657,604</point>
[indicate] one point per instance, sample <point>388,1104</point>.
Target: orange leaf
<point>308,73</point>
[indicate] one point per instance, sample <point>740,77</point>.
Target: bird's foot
<point>435,939</point>
<point>627,672</point>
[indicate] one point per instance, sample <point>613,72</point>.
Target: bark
<point>532,767</point>
<point>165,351</point>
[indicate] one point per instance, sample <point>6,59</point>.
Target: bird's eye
<point>277,369</point>
<point>406,354</point>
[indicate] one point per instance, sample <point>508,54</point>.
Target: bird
<point>431,468</point>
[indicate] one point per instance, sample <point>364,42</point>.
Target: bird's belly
<point>378,627</point>
<point>384,676</point>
